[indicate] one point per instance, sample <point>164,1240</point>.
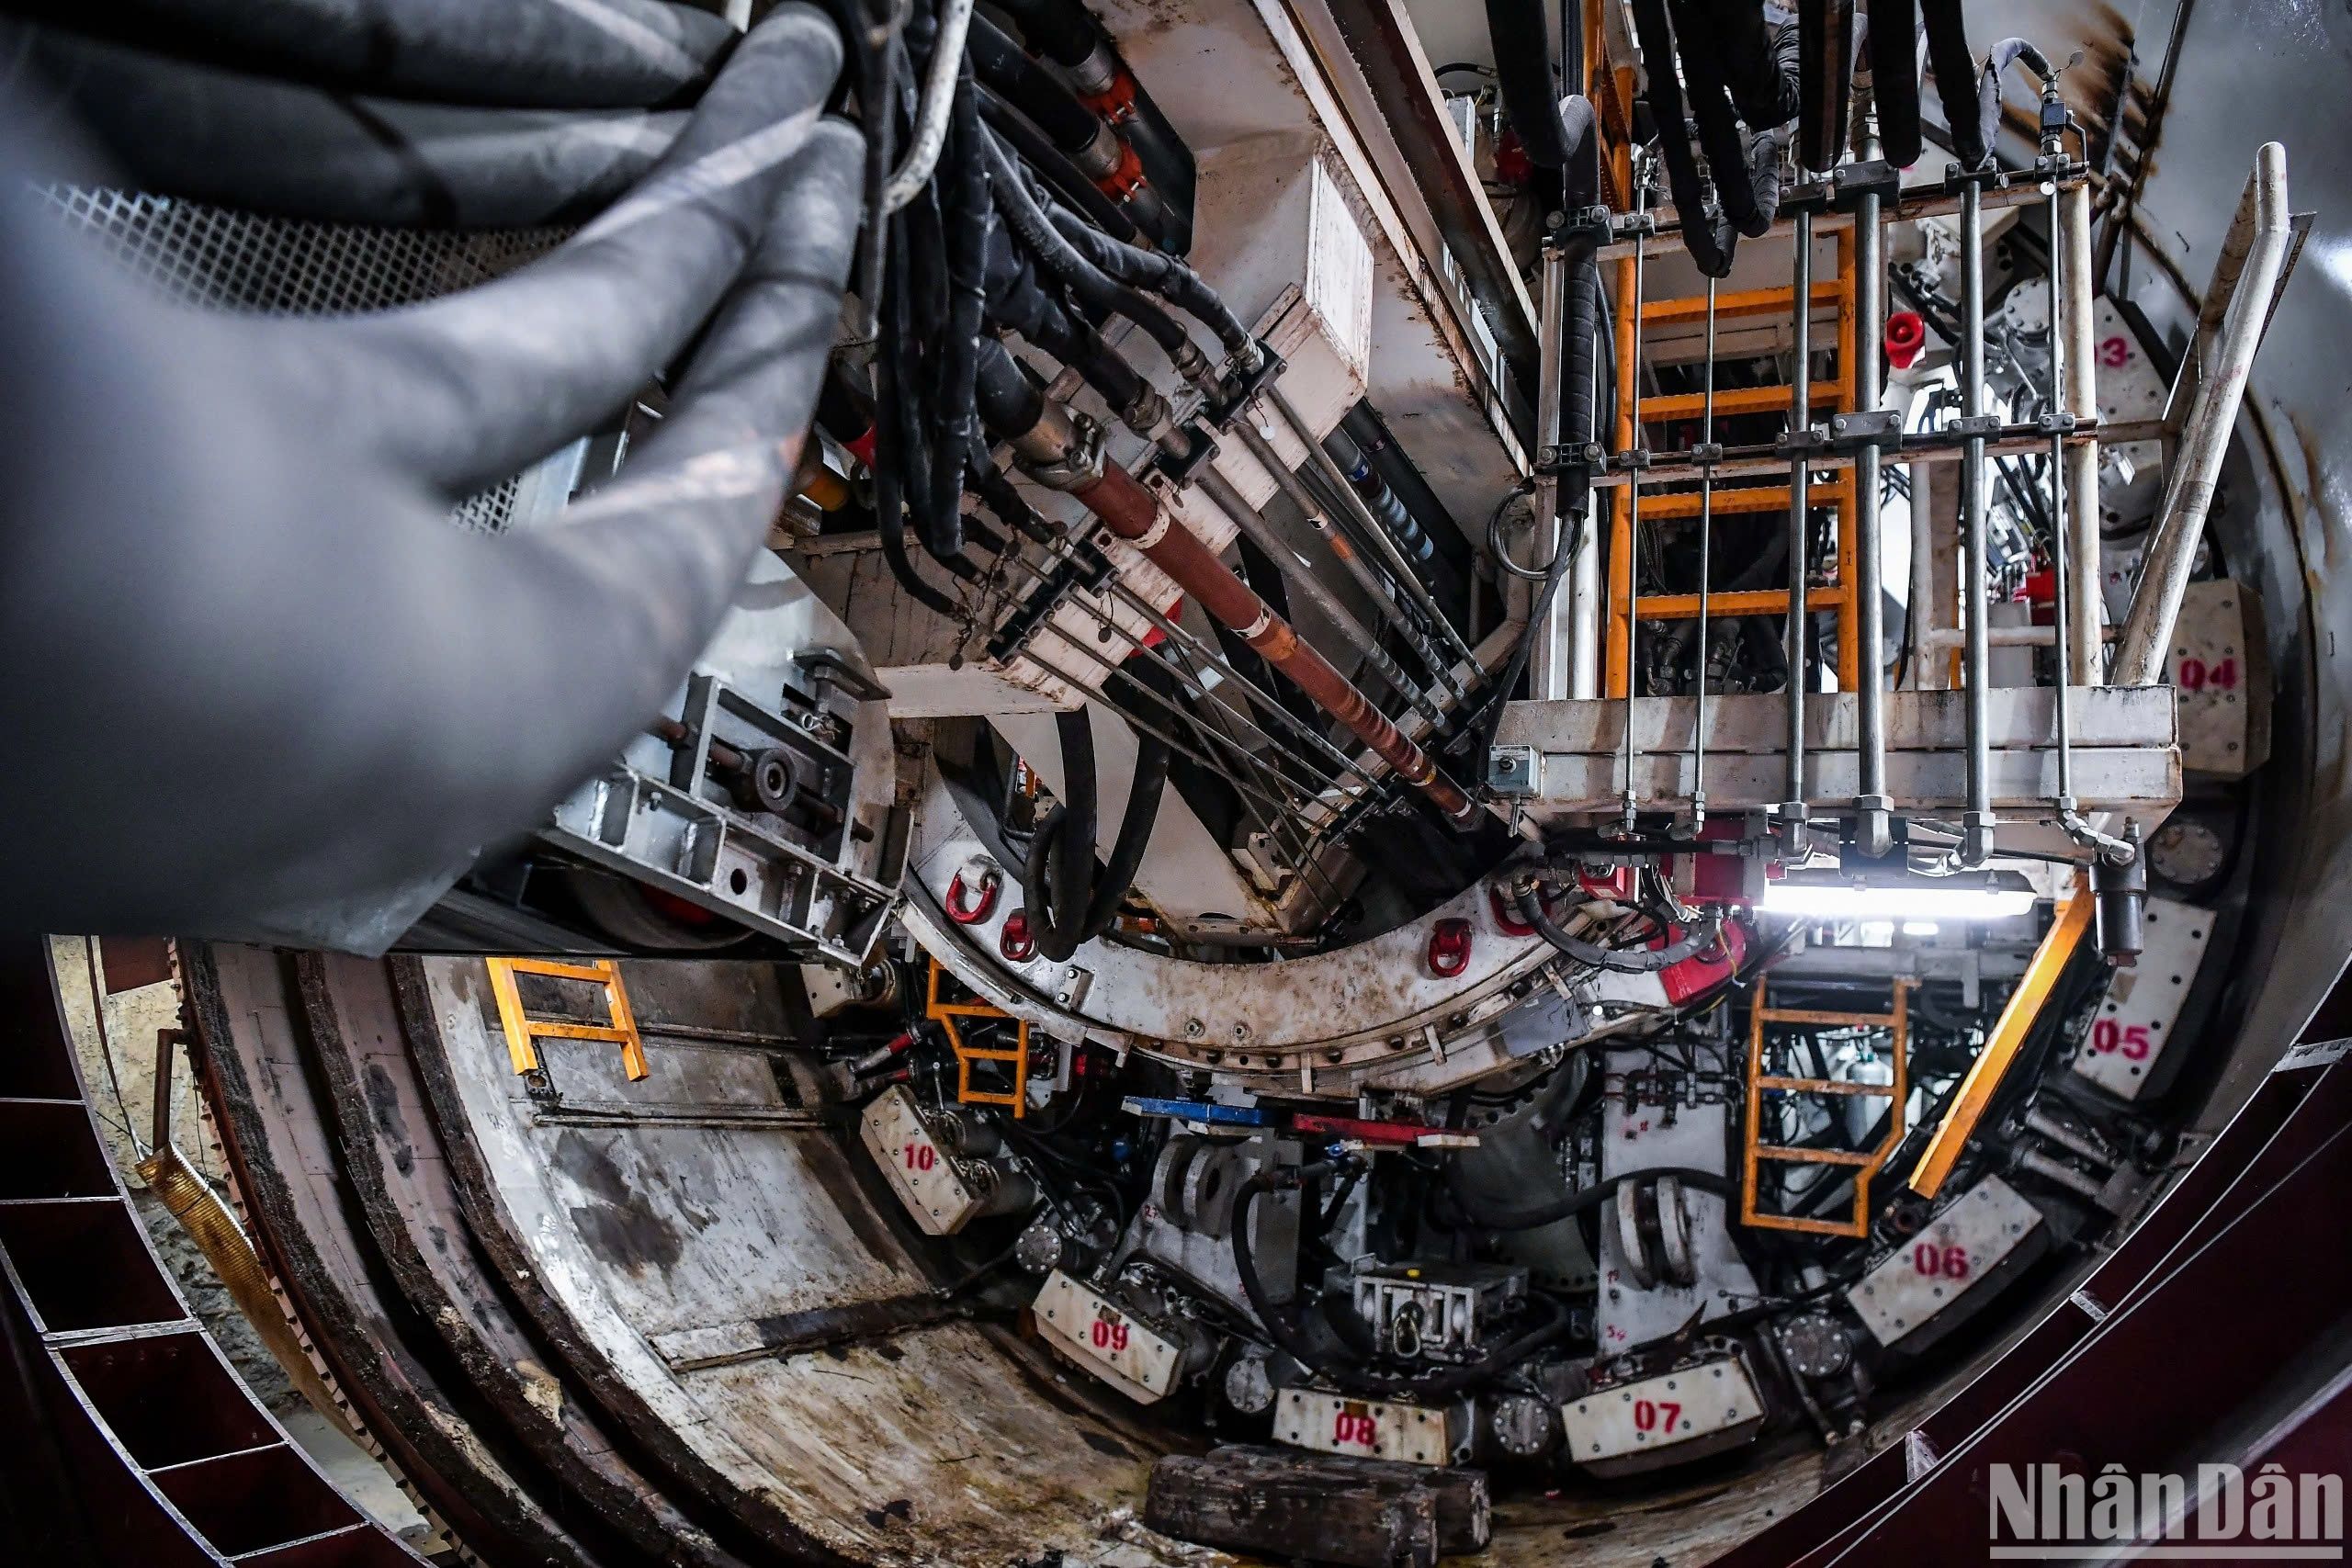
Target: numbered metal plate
<point>2216,665</point>
<point>919,1171</point>
<point>2134,1025</point>
<point>1716,1400</point>
<point>1329,1424</point>
<point>1106,1341</point>
<point>1958,1253</point>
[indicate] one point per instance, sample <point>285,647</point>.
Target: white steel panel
<point>1106,1341</point>
<point>1950,1258</point>
<point>1703,1401</point>
<point>2135,1023</point>
<point>919,1170</point>
<point>1333,1424</point>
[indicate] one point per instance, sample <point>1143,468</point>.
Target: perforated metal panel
<point>221,259</point>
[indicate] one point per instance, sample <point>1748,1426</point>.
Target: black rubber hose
<point>1953,65</point>
<point>1825,80</point>
<point>1893,36</point>
<point>355,696</point>
<point>517,53</point>
<point>1709,240</point>
<point>1621,961</point>
<point>1057,876</point>
<point>1038,149</point>
<point>971,222</point>
<point>1521,34</point>
<point>1018,205</point>
<point>1007,69</point>
<point>898,439</point>
<point>1582,1201</point>
<point>1153,757</point>
<point>1760,61</point>
<point>1161,273</point>
<point>998,494</point>
<point>463,391</point>
<point>1718,123</point>
<point>207,134</point>
<point>1059,29</point>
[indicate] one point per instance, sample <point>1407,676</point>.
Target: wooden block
<point>1263,1503</point>
<point>1464,1501</point>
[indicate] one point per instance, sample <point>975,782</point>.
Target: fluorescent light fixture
<point>1920,928</point>
<point>1912,899</point>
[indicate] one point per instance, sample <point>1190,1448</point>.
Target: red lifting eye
<point>1014,940</point>
<point>1449,949</point>
<point>964,908</point>
<point>1906,334</point>
<point>1506,910</point>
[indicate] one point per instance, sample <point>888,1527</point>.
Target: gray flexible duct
<point>519,53</point>
<point>254,669</point>
<point>462,391</point>
<point>198,131</point>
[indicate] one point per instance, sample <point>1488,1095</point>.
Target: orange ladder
<point>1830,395</point>
<point>1866,1163</point>
<point>945,1013</point>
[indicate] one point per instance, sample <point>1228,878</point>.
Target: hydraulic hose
<point>353,696</point>
<point>205,134</point>
<point>1057,878</point>
<point>1825,80</point>
<point>1038,149</point>
<point>1007,69</point>
<point>1719,135</point>
<point>518,53</point>
<point>1760,61</point>
<point>1522,38</point>
<point>1954,65</point>
<point>1582,1201</point>
<point>462,391</point>
<point>1163,274</point>
<point>2006,53</point>
<point>1709,240</point>
<point>970,222</point>
<point>1621,961</point>
<point>1893,36</point>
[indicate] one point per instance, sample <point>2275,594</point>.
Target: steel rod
<point>1794,810</point>
<point>1633,393</point>
<point>1706,553</point>
<point>1392,556</point>
<point>1976,659</point>
<point>2062,278</point>
<point>1326,519</point>
<point>1873,808</point>
<point>2080,615</point>
<point>1245,517</point>
<point>1547,675</point>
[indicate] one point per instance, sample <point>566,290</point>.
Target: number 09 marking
<point>1109,1336</point>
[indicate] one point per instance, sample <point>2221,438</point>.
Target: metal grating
<point>221,259</point>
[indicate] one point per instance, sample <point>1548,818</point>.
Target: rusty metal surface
<point>392,1158</point>
<point>274,1133</point>
<point>937,1443</point>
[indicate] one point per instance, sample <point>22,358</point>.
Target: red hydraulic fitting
<point>965,908</point>
<point>1449,948</point>
<point>1014,940</point>
<point>1906,334</point>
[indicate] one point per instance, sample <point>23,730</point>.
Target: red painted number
<point>2195,675</point>
<point>1656,1416</point>
<point>2109,1037</point>
<point>922,1157</point>
<point>1109,1336</point>
<point>1356,1431</point>
<point>1939,1262</point>
<point>2114,351</point>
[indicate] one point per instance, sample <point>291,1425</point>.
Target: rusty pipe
<point>1058,451</point>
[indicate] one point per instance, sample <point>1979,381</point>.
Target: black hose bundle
<point>1618,960</point>
<point>1068,905</point>
<point>1163,274</point>
<point>1700,50</point>
<point>507,53</point>
<point>1709,239</point>
<point>207,133</point>
<point>1584,1199</point>
<point>1894,36</point>
<point>465,391</point>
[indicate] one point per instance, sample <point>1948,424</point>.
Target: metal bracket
<point>827,667</point>
<point>1882,428</point>
<point>1180,471</point>
<point>1811,441</point>
<point>1243,388</point>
